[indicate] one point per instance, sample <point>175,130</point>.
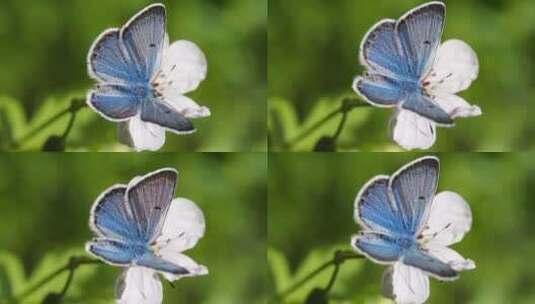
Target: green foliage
<point>313,55</point>
<point>43,59</point>
<point>45,201</point>
<point>310,206</point>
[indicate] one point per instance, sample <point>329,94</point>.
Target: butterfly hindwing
<point>115,102</point>
<point>380,90</point>
<point>112,251</point>
<point>424,106</point>
<point>149,199</point>
<point>154,262</point>
<point>158,112</point>
<point>422,260</point>
<point>377,246</point>
<point>419,32</point>
<point>413,188</point>
<point>143,38</point>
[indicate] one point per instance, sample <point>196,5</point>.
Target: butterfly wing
<point>374,209</point>
<point>379,247</point>
<point>115,102</point>
<point>149,198</point>
<point>158,112</point>
<point>111,216</point>
<point>113,252</point>
<point>424,106</point>
<point>381,53</point>
<point>422,260</point>
<point>143,38</point>
<point>380,90</point>
<point>412,189</point>
<point>151,261</point>
<point>419,33</point>
<point>108,62</point>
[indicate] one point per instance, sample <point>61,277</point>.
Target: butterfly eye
<point>152,45</point>
<point>427,42</point>
<point>158,208</point>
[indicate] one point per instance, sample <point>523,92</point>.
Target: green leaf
<point>280,270</point>
<point>11,275</point>
<point>12,121</point>
<point>50,263</point>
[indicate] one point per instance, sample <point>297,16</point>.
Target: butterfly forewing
<point>149,199</point>
<point>111,217</point>
<point>143,38</point>
<point>413,188</point>
<point>375,210</point>
<point>419,33</point>
<point>108,62</point>
<point>381,52</point>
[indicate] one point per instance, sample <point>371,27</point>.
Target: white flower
<point>454,70</point>
<point>183,227</point>
<point>184,66</point>
<point>142,80</point>
<point>449,219</point>
<point>409,70</point>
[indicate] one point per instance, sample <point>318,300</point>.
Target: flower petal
<point>451,257</point>
<point>456,106</point>
<point>449,219</point>
<point>185,105</point>
<point>138,285</point>
<point>405,284</point>
<point>183,226</point>
<point>183,261</point>
<point>455,68</point>
<point>183,68</point>
<point>412,131</point>
<point>141,135</point>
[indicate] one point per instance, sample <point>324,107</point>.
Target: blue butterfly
<point>128,219</point>
<point>393,211</point>
<point>126,62</point>
<point>399,56</point>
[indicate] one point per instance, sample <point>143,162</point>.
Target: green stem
<point>74,107</point>
<point>338,259</point>
<point>71,266</point>
<point>348,104</point>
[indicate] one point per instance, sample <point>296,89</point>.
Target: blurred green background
<point>43,50</point>
<point>310,210</point>
<point>313,59</point>
<point>45,201</point>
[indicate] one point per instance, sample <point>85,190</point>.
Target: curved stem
<point>348,104</point>
<point>75,106</point>
<point>338,259</point>
<point>71,266</point>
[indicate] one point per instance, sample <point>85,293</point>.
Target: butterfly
<point>404,224</point>
<point>408,69</point>
<point>141,77</point>
<point>128,220</point>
